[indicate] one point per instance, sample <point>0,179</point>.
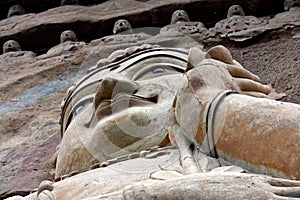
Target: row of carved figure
<point>19,10</point>
<point>236,21</point>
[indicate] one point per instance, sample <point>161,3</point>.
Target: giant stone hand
<point>212,112</point>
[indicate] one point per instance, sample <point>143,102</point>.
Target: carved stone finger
<point>239,72</point>
<point>279,182</point>
<point>287,191</point>
<point>220,53</point>
<point>250,85</point>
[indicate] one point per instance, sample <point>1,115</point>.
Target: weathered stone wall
<point>32,87</point>
<point>40,31</point>
<point>36,6</point>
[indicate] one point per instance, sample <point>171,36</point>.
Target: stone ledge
<point>39,32</point>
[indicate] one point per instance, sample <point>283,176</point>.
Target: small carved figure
<point>235,10</point>
<point>69,2</point>
<point>68,35</point>
<point>179,16</point>
<point>15,10</point>
<point>122,25</point>
<point>288,4</point>
<point>11,45</point>
<point>236,21</point>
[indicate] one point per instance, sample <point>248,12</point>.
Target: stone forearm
<point>260,135</point>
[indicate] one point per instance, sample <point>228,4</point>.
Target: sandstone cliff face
<point>34,81</point>
<point>38,31</point>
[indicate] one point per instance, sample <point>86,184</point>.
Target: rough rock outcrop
<point>36,32</point>
<point>36,6</point>
<point>34,81</point>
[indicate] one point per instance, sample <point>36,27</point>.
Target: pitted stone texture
<point>196,30</point>
<point>11,45</point>
<point>122,25</point>
<point>68,35</point>
<point>288,4</point>
<point>180,16</point>
<point>236,24</point>
<point>236,21</point>
<point>15,10</point>
<point>245,28</point>
<point>235,10</point>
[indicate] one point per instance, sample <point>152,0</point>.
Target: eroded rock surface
<point>32,87</point>
<point>96,21</point>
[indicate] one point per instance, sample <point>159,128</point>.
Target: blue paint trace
<point>42,90</point>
